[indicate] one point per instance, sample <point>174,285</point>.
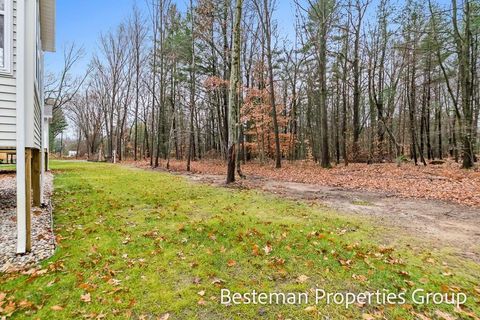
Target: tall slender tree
<point>233,100</point>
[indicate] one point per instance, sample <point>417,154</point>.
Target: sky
<point>82,21</point>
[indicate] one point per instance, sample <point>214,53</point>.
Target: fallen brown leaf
<point>86,298</point>
<point>310,309</point>
<point>302,278</point>
<point>420,316</point>
<point>267,249</point>
<point>255,250</point>
<point>56,308</point>
<point>166,316</point>
<point>444,315</point>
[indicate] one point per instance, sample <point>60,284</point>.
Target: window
<point>5,31</point>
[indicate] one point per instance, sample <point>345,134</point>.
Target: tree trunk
<point>268,35</point>
<point>192,90</point>
<point>233,101</point>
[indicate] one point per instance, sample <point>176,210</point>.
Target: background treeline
<point>358,81</point>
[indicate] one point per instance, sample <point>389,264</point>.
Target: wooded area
<point>359,81</point>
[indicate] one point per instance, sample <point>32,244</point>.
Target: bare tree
<point>137,32</point>
<point>264,9</point>
<point>233,100</point>
<point>110,67</point>
<point>87,114</point>
<point>61,88</point>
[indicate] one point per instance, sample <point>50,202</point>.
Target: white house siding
<point>38,78</point>
<point>33,113</point>
<point>8,94</point>
<point>37,122</point>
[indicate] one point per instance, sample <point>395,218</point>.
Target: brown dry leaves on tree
<point>256,110</point>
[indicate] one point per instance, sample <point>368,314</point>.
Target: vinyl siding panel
<point>8,113</point>
<point>37,122</point>
<point>7,97</point>
<point>5,127</point>
<point>9,121</point>
<point>7,136</point>
<point>8,94</point>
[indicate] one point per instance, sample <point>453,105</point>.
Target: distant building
<point>72,153</point>
<point>7,157</point>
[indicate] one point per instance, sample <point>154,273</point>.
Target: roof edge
<point>47,24</point>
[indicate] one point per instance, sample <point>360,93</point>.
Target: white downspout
<point>21,190</point>
<point>47,141</point>
<point>42,121</point>
<point>41,153</point>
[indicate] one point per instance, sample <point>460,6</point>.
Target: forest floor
<point>441,203</point>
<point>446,182</point>
<point>137,244</point>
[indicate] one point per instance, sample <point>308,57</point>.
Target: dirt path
<point>447,182</point>
<point>439,223</point>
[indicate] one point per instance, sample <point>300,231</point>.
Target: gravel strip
<point>43,239</point>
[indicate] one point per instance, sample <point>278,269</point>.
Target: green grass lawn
<point>136,244</point>
<point>7,167</point>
